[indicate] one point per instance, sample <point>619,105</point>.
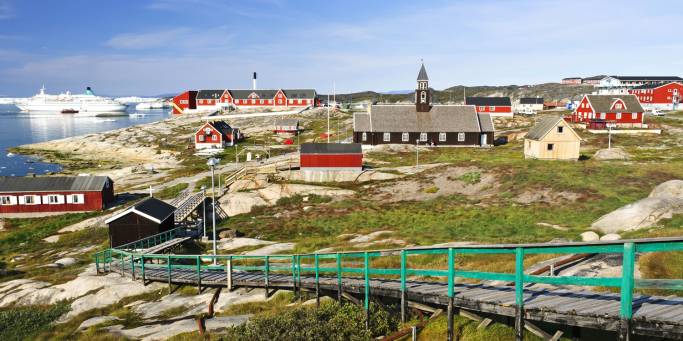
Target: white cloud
<point>147,40</point>
<point>175,39</point>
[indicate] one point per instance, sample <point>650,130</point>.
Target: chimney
<point>254,82</point>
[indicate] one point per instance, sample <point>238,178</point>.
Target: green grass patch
<point>172,191</point>
<point>24,323</point>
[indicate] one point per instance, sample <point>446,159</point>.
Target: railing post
<point>451,275</point>
<point>626,312</point>
<point>519,294</point>
<point>339,277</point>
<point>366,270</point>
<point>132,267</point>
<point>97,263</point>
<point>121,257</point>
<point>142,273</point>
<point>404,302</point>
<point>199,276</point>
<point>293,263</point>
<point>168,265</point>
<point>267,268</point>
<point>317,281</point>
<point>228,272</point>
<point>298,274</point>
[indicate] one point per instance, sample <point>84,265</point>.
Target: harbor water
<point>17,128</point>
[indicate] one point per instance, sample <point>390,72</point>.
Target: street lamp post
<point>204,211</point>
<point>212,162</point>
<point>417,153</point>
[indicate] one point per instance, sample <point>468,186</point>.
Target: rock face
<point>611,154</point>
<point>242,202</point>
<point>97,320</point>
<point>337,176</point>
<point>589,236</point>
<point>664,201</point>
<point>164,331</point>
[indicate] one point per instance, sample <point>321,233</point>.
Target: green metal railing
<point>334,264</point>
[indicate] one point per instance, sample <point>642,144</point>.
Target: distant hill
<point>454,94</point>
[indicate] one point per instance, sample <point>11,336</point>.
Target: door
<point>484,138</point>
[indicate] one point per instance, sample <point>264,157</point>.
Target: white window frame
<point>461,137</point>
<point>50,198</point>
<point>386,137</point>
<point>423,97</point>
<point>442,137</point>
<point>423,137</point>
<point>6,200</point>
<point>405,137</point>
<point>492,108</point>
<point>482,108</point>
<point>618,116</point>
<point>76,199</point>
<point>364,136</point>
<point>634,115</point>
<point>201,138</point>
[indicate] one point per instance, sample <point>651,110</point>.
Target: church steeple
<point>423,97</point>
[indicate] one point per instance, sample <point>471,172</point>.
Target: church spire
<point>423,97</point>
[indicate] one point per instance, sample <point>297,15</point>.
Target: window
<point>423,137</point>
<point>6,200</point>
<point>550,146</point>
<point>183,101</point>
<point>405,137</point>
<point>618,106</point>
<point>442,137</point>
<point>603,115</point>
<point>481,108</point>
<point>618,116</point>
<point>423,97</point>
<point>53,199</point>
<point>492,108</point>
<point>262,102</point>
<point>75,199</point>
<point>461,137</point>
<point>214,137</point>
<point>387,137</point>
<point>634,115</point>
<point>364,136</point>
<point>201,138</point>
<point>560,129</point>
<point>30,200</point>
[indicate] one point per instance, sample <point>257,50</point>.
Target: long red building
<point>598,110</point>
<point>209,100</point>
<point>331,157</point>
<point>659,96</point>
<point>494,106</point>
<point>55,194</point>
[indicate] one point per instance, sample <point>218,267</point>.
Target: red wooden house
<point>598,110</point>
<point>665,96</point>
<point>216,135</point>
<point>55,194</point>
<point>331,157</point>
<point>184,101</point>
<point>494,106</point>
<point>208,100</point>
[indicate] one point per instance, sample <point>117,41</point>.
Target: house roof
<point>405,118</point>
<point>488,101</point>
<point>331,148</point>
<point>223,127</point>
<point>568,78</point>
<point>652,86</point>
<point>209,94</point>
<point>531,100</point>
<point>595,78</point>
<point>150,208</point>
<point>53,184</point>
<point>543,127</point>
<point>286,122</point>
<point>422,76</point>
<point>648,78</point>
<point>299,93</point>
<point>603,103</point>
<point>244,94</point>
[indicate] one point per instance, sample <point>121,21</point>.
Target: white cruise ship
<point>67,103</point>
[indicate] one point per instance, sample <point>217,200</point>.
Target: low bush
<point>470,178</point>
<point>331,321</point>
<point>23,323</point>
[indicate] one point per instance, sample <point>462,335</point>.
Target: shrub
<point>431,190</point>
<point>470,178</point>
<point>331,321</point>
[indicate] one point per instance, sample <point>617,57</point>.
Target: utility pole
<point>212,162</point>
<point>328,118</point>
<point>417,154</point>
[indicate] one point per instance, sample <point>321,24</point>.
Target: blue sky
<point>165,46</point>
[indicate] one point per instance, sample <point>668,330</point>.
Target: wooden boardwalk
<point>652,316</point>
<point>165,245</point>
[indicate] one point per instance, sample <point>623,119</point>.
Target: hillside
<point>454,94</point>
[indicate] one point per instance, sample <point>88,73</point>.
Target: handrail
<point>332,263</point>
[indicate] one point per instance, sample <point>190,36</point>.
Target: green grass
<point>24,323</point>
<point>466,330</point>
<point>172,191</point>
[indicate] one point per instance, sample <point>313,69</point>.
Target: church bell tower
<point>423,97</point>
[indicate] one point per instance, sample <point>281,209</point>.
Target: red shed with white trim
<point>184,101</point>
<point>55,194</point>
<point>331,157</point>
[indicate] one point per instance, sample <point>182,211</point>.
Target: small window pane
<point>423,137</point>
<point>387,137</point>
<point>442,137</point>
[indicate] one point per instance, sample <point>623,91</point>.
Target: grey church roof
<point>422,76</point>
<point>209,94</point>
<point>488,101</point>
<point>531,100</point>
<point>331,148</point>
<point>405,118</point>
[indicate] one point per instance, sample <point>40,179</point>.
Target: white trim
<point>132,210</point>
<point>12,200</point>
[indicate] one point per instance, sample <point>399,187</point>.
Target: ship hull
<point>57,108</point>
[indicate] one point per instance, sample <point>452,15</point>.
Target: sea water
<point>17,128</point>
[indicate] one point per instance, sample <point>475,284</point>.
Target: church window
<point>423,97</point>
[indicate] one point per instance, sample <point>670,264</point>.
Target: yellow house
<point>552,139</point>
